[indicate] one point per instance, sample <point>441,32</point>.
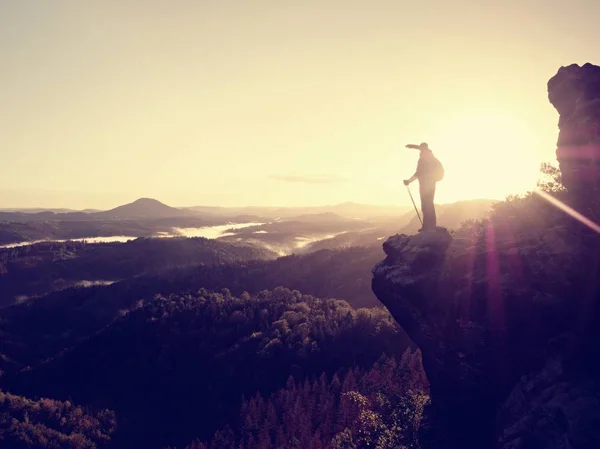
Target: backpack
<point>437,170</point>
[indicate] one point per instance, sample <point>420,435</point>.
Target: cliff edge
<point>506,312</point>
<point>504,332</point>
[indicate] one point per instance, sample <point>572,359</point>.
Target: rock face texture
<point>575,93</point>
<point>505,340</point>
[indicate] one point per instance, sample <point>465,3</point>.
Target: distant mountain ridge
<point>35,210</point>
<point>149,208</point>
<point>451,215</point>
<point>347,210</point>
<point>142,208</point>
<point>318,217</point>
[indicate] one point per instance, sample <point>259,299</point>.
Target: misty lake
<point>302,242</point>
<point>110,239</point>
<point>209,232</point>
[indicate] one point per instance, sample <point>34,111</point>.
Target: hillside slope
<point>46,423</point>
<point>37,329</point>
<point>177,368</point>
<point>45,267</point>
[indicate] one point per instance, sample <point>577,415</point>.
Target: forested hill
<point>37,329</point>
<point>43,267</point>
<point>51,424</point>
<point>177,368</point>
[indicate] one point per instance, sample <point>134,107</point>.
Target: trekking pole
<point>413,201</point>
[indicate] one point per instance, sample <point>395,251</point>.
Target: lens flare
<point>569,210</point>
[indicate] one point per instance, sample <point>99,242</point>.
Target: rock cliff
<point>500,327</point>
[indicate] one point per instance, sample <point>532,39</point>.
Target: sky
<point>278,102</point>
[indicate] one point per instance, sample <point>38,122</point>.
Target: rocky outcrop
<point>507,318</point>
<point>499,324</point>
<point>575,93</point>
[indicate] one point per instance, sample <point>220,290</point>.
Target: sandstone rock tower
<point>575,93</point>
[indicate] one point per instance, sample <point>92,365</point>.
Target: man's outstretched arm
<point>411,179</point>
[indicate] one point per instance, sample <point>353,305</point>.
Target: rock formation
<point>500,336</point>
<point>575,93</point>
<point>507,318</point>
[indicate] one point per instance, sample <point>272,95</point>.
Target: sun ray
<point>493,275</point>
<point>569,210</point>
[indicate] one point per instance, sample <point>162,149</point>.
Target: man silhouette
<point>429,172</point>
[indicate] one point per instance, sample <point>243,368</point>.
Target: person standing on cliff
<point>429,172</point>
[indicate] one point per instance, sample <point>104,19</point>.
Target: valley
<point>33,268</point>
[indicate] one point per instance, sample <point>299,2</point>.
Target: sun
<point>485,156</point>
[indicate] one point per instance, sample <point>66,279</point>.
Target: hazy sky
<point>278,102</point>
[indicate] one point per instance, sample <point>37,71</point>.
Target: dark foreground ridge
<point>504,347</point>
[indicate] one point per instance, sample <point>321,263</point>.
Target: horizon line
<point>390,206</point>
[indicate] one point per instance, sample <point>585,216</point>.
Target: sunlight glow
<point>215,94</point>
<point>494,278</point>
<point>485,156</point>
